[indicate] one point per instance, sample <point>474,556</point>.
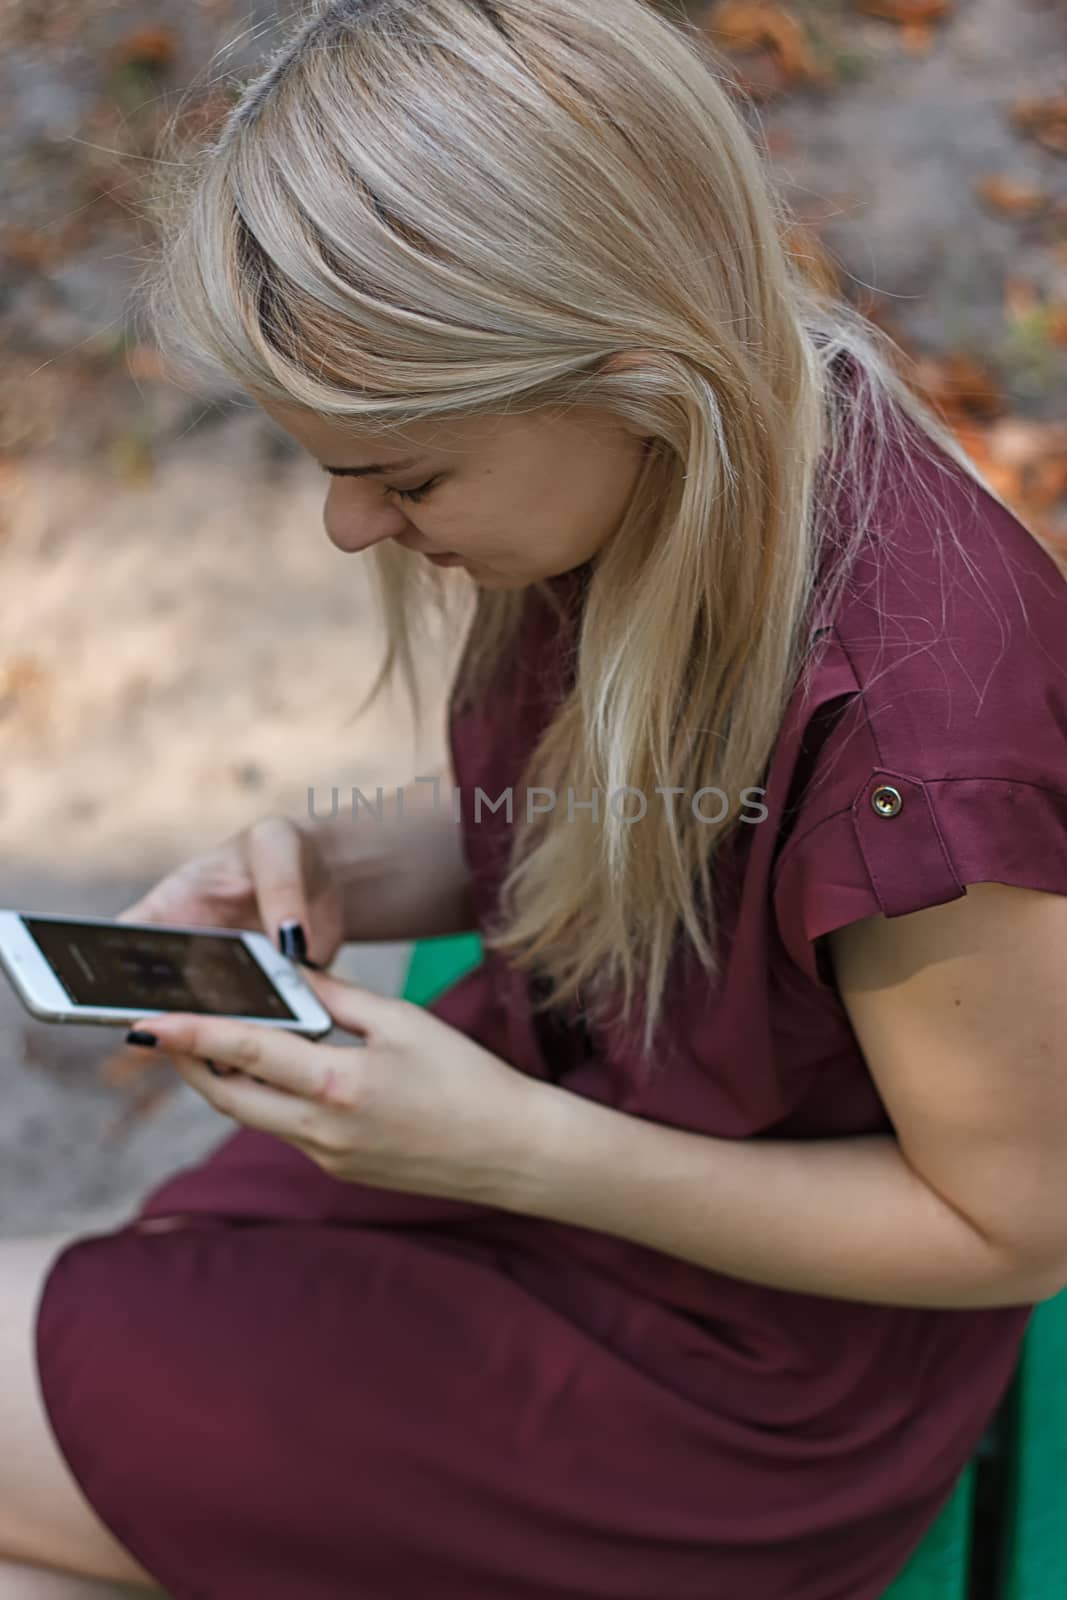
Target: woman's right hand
<point>271,872</point>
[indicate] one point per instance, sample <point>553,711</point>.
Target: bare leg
<point>40,1583</point>
<point>45,1520</point>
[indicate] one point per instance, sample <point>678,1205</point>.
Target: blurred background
<point>181,649</point>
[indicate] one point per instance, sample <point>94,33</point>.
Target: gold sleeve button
<point>886,800</point>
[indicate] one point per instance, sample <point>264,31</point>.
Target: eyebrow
<point>371,472</point>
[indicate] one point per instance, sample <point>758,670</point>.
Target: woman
<point>686,1246</point>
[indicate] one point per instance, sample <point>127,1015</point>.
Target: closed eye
<point>405,494</point>
<point>417,494</point>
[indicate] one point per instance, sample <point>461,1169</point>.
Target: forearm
<point>403,874</point>
<point>844,1218</point>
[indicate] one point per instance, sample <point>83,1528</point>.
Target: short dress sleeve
<point>935,755</point>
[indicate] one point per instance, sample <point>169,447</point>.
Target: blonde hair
<point>439,208</point>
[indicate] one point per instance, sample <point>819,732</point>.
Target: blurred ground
<point>181,650</point>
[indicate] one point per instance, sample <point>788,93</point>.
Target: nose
<point>355,517</point>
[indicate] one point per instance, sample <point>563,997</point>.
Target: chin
<point>496,580</point>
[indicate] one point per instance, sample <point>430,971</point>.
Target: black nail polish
<point>292,942</point>
<point>139,1036</point>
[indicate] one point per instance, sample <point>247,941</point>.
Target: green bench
<point>1003,1533</point>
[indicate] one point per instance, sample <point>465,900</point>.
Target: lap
<point>257,1407</point>
<point>257,1410</point>
<point>45,1517</point>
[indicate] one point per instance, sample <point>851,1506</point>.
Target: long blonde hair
<point>443,208</point>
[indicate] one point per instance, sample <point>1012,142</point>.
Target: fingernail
<point>218,1072</point>
<point>139,1036</point>
<point>292,942</point>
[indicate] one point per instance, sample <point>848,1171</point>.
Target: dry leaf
<point>148,47</point>
<point>959,387</point>
<point>1022,441</point>
<point>33,249</point>
<point>1044,120</point>
<point>1022,301</point>
<point>808,250</point>
<point>916,38</point>
<point>739,25</point>
<point>906,12</point>
<point>1026,464</point>
<point>1009,197</point>
<point>1048,482</point>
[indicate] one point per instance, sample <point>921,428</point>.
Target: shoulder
<point>953,623</point>
<point>926,747</point>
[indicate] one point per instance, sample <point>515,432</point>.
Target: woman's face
<point>514,498</point>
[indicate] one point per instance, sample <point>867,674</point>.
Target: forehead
<point>343,443</point>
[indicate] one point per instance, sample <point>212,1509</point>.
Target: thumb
<point>359,1009</point>
<point>140,911</point>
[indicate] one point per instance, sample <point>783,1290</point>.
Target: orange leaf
<point>906,12</point>
<point>34,250</point>
<point>1011,198</point>
<point>1006,480</point>
<point>811,255</point>
<point>148,47</point>
<point>975,440</point>
<point>1047,483</point>
<point>959,387</point>
<point>1044,120</point>
<point>916,38</point>
<point>740,25</point>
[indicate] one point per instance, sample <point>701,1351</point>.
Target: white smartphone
<point>94,969</point>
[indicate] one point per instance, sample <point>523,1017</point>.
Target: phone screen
<point>156,970</point>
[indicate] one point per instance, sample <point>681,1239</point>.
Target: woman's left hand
<point>418,1107</point>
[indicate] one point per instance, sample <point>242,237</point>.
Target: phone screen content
<point>155,970</point>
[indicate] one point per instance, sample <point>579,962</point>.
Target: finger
<point>155,906</point>
<point>275,858</point>
<point>209,1078</point>
<point>135,913</point>
<point>360,1010</point>
<point>302,1123</point>
<point>281,1059</point>
<point>226,1072</point>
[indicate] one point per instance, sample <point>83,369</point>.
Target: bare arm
<point>404,876</point>
<point>962,1015</point>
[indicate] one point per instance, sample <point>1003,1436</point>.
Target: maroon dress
<point>315,1390</point>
